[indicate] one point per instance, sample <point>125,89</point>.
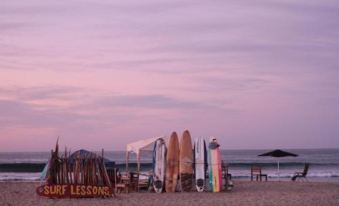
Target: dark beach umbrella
<point>84,154</point>
<point>278,153</point>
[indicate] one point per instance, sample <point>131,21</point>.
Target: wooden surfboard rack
<point>76,176</point>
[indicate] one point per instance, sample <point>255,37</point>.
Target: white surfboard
<point>159,165</point>
<point>199,157</point>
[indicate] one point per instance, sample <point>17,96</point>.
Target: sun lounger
<point>302,175</point>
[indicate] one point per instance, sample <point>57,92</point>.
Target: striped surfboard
<point>214,166</point>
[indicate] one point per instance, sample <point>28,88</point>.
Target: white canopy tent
<point>138,146</point>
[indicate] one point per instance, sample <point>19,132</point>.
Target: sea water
<point>324,164</point>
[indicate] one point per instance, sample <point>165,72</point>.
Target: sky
<point>254,74</point>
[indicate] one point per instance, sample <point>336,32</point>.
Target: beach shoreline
<point>244,193</point>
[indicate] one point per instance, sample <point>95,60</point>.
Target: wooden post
<point>138,160</point>
<point>127,159</point>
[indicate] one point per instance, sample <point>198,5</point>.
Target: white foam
<point>12,176</point>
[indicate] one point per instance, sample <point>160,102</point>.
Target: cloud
<point>8,26</point>
<point>141,8</point>
<point>42,92</point>
<point>98,99</point>
<point>148,101</point>
<point>152,36</point>
<point>94,67</point>
<point>45,106</point>
<point>234,84</point>
<point>15,113</point>
<point>34,7</point>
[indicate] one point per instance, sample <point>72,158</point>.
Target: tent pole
<point>138,170</point>
<point>127,158</point>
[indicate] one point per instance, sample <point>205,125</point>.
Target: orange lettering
<point>46,190</point>
<point>100,191</point>
<point>89,190</point>
<point>58,190</point>
<point>95,190</point>
<point>72,190</point>
<point>83,190</point>
<point>78,190</point>
<point>52,190</point>
<point>63,189</point>
<point>106,189</point>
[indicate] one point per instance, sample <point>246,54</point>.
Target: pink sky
<point>254,74</point>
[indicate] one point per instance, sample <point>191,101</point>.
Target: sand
<point>244,194</point>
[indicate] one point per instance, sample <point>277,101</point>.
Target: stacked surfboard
<point>159,162</point>
<point>199,163</point>
<point>186,162</point>
<point>175,164</point>
<point>172,163</point>
<point>214,165</point>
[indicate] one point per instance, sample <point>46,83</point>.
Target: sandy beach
<point>245,193</point>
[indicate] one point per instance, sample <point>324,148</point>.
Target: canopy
<point>138,146</point>
<point>278,153</point>
<point>146,145</point>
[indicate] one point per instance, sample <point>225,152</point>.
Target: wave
<point>38,167</point>
<point>319,175</point>
<point>19,179</point>
<point>17,161</point>
<point>22,167</point>
<point>35,177</point>
<point>20,176</point>
<point>282,164</point>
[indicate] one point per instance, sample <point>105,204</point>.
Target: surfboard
<point>159,165</point>
<point>199,163</point>
<point>186,162</point>
<point>214,166</point>
<point>172,163</point>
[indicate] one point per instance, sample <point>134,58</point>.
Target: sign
<point>74,191</point>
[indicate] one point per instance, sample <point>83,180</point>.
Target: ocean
<point>324,164</point>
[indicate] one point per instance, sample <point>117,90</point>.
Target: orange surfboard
<point>186,162</point>
<point>172,163</point>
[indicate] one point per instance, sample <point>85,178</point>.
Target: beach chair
<point>302,174</point>
<point>139,181</point>
<point>121,182</point>
<point>225,173</point>
<point>257,173</point>
<point>144,181</point>
<point>134,180</point>
<point>226,176</point>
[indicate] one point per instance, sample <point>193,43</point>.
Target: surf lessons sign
<point>74,191</point>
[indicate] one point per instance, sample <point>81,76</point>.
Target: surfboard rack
<point>82,174</point>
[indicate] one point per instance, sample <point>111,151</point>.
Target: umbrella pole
<point>278,171</point>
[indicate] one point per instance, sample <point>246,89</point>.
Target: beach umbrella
<point>278,153</point>
<point>84,154</point>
